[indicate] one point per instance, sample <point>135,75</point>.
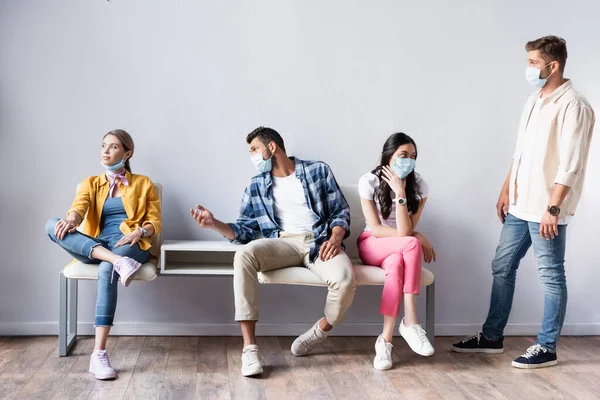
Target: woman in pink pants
<point>392,199</point>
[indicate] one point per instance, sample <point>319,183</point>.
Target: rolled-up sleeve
<point>573,145</point>
<point>245,228</point>
<point>338,206</point>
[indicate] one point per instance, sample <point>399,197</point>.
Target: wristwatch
<point>554,210</point>
<point>400,201</point>
<point>144,232</point>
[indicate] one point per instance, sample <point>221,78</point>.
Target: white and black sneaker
<point>479,344</point>
<point>537,356</point>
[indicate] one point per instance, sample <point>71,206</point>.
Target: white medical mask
<point>403,166</point>
<point>261,164</point>
<point>533,76</point>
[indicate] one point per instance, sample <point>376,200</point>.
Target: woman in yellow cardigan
<point>123,212</point>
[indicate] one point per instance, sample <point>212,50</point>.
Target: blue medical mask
<point>261,164</point>
<point>403,166</point>
<point>116,167</point>
<point>533,76</point>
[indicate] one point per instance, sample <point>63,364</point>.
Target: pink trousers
<point>401,259</point>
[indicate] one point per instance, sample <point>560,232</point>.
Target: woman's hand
<point>397,185</point>
<point>64,226</point>
<point>130,239</point>
<point>428,250</point>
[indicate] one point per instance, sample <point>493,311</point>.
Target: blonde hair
<point>126,141</point>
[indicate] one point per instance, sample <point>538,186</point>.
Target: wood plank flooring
<point>209,368</point>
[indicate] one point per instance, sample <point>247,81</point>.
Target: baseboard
<point>271,329</point>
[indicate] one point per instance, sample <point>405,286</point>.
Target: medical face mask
<point>261,164</point>
<point>403,166</point>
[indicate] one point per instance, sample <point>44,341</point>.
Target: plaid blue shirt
<point>323,196</point>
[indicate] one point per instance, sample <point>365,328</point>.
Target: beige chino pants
<point>290,250</point>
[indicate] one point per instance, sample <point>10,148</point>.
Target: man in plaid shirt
<point>303,217</point>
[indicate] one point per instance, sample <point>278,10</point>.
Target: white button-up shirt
<point>552,147</point>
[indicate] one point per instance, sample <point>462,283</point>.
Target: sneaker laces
<point>103,358</point>
<point>534,351</point>
<point>309,337</point>
<point>125,268</point>
<point>385,352</point>
<point>251,357</point>
<point>469,338</point>
<point>420,333</point>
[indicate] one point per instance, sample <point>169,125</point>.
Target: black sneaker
<point>536,356</point>
<point>479,344</point>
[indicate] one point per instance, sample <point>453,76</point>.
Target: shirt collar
<point>558,92</point>
<point>299,172</point>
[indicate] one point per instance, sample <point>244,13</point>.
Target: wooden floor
<point>209,368</point>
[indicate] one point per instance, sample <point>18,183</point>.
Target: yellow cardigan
<point>140,200</point>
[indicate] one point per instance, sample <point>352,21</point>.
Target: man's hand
<point>502,206</point>
<point>549,226</point>
<point>203,217</point>
<point>330,248</point>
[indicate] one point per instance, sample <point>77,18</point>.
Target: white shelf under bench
<point>197,257</point>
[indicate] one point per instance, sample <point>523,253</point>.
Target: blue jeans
<point>516,238</point>
<point>80,246</point>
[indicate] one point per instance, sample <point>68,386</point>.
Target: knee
<point>552,275</point>
<point>412,244</point>
<point>500,269</point>
<point>245,259</point>
<point>50,225</point>
<point>344,282</point>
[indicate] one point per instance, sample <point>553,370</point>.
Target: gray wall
<point>189,79</point>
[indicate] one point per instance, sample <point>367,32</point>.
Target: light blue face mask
<point>403,166</point>
<point>115,167</point>
<point>261,164</point>
<point>533,77</point>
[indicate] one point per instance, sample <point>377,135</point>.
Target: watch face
<point>554,210</point>
<point>401,201</point>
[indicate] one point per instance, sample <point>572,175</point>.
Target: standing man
<point>538,199</point>
<point>303,217</point>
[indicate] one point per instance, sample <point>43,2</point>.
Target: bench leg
<point>67,315</point>
<point>430,313</point>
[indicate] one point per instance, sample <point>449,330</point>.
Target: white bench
<point>201,258</point>
<point>198,257</point>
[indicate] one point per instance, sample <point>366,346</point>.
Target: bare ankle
<point>324,325</point>
<point>387,337</point>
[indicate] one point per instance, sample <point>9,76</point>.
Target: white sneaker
<point>251,361</point>
<point>416,338</point>
<point>126,268</point>
<point>100,366</point>
<point>306,342</point>
<point>383,354</point>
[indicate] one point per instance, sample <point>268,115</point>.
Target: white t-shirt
<point>525,165</point>
<point>366,189</point>
<point>291,211</point>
